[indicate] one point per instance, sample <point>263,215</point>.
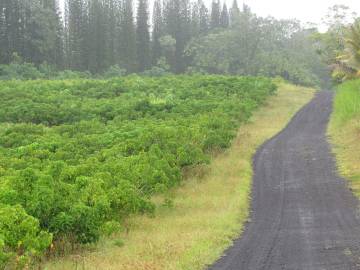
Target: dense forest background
<point>112,38</point>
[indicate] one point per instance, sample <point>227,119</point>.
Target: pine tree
<point>186,36</point>
<point>178,25</point>
<point>33,35</point>
<point>158,25</point>
<point>54,33</point>
<point>204,18</point>
<point>246,9</point>
<point>38,28</point>
<point>97,36</point>
<point>142,36</point>
<point>13,20</point>
<point>172,27</point>
<point>111,7</point>
<point>58,53</point>
<point>77,36</point>
<point>128,38</point>
<point>195,19</point>
<point>234,13</point>
<point>3,36</point>
<point>224,18</point>
<point>67,47</point>
<point>118,35</point>
<point>215,14</point>
<point>31,30</point>
<point>49,4</point>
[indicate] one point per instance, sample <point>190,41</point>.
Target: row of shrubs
<point>19,70</point>
<point>78,156</point>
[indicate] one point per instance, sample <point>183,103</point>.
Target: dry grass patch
<point>202,217</point>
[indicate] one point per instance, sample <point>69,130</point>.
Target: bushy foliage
<point>19,71</point>
<point>78,156</point>
<point>339,46</point>
<point>26,71</point>
<point>259,46</point>
<point>21,238</point>
<point>347,102</point>
<point>114,71</point>
<point>348,63</point>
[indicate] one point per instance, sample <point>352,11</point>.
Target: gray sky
<point>304,10</point>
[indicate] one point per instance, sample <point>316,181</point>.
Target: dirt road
<point>304,217</point>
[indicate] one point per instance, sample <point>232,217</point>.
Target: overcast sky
<point>304,10</point>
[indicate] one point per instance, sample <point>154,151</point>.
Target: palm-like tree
<point>348,65</point>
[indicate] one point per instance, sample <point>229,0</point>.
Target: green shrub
<point>80,155</point>
<point>71,75</point>
<point>114,71</point>
<point>17,71</point>
<point>21,238</point>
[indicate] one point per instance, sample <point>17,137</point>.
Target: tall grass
<point>347,102</point>
<point>344,132</point>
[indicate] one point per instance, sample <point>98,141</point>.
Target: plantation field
<point>78,157</point>
<point>207,211</point>
<point>344,131</point>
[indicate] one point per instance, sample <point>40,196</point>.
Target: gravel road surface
<point>304,217</point>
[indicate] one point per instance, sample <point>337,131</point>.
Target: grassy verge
<point>205,214</point>
<point>344,132</point>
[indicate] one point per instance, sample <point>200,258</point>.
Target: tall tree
<point>112,7</point>
<point>13,17</point>
<point>348,63</point>
<point>128,38</point>
<point>59,54</point>
<point>224,17</point>
<point>30,29</point>
<point>55,33</point>
<point>3,36</point>
<point>195,18</point>
<point>177,17</point>
<point>143,36</point>
<point>204,18</point>
<point>157,32</point>
<point>118,35</point>
<point>215,14</point>
<point>77,31</point>
<point>97,36</point>
<point>234,12</point>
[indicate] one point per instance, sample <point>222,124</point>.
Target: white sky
<point>304,10</point>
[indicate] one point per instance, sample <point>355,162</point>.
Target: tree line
<point>94,35</point>
<point>109,38</point>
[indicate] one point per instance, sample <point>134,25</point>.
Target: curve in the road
<point>304,217</point>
